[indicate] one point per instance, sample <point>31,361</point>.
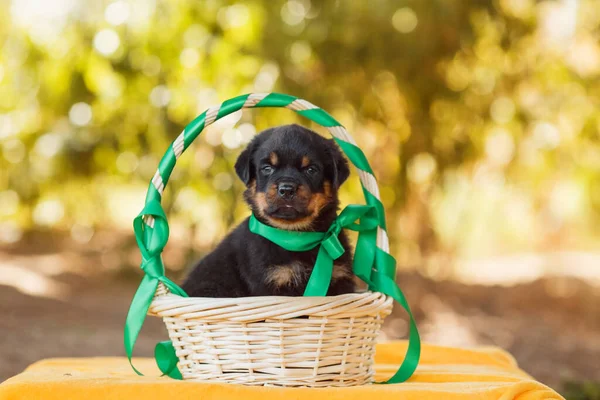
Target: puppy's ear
<point>339,164</point>
<point>244,166</point>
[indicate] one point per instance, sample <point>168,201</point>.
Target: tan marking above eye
<point>273,158</point>
<point>305,161</point>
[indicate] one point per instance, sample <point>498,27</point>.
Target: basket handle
<point>151,228</point>
<point>260,100</point>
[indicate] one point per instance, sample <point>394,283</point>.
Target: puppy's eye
<point>267,170</point>
<point>311,170</point>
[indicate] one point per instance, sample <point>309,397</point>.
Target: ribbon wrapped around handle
<point>371,264</point>
<point>151,242</point>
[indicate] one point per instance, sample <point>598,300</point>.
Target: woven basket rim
<point>281,299</point>
<point>246,309</point>
<point>173,299</point>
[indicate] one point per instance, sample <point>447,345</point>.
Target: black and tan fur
<point>292,176</point>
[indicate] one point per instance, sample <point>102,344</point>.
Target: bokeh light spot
<point>151,66</point>
<point>117,13</point>
<point>160,96</point>
<point>232,138</point>
<point>195,36</point>
<point>7,126</point>
<point>566,199</point>
<point>266,77</point>
<point>293,12</point>
<point>213,136</point>
<point>82,233</point>
<point>502,110</point>
<point>189,57</point>
<point>14,151</point>
<point>300,52</point>
<point>223,181</point>
<point>48,212</point>
<point>499,146</point>
<point>546,135</point>
<point>10,232</point>
<point>80,114</point>
<point>127,162</point>
<point>9,199</point>
<point>204,157</point>
<point>49,144</point>
<point>106,42</point>
<point>233,16</point>
<point>421,168</point>
<point>247,132</point>
<point>405,20</point>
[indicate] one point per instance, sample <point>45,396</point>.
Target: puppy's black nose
<point>287,190</point>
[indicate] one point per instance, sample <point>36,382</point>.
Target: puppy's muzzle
<point>287,190</point>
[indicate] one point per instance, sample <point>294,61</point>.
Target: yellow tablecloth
<point>444,373</point>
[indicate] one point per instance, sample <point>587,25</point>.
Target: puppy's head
<point>292,176</point>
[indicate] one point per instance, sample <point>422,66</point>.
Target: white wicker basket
<point>262,340</point>
<point>284,341</point>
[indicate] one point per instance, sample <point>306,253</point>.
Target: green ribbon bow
<point>371,264</point>
<point>151,242</point>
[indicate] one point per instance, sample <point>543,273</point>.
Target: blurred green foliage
<point>581,390</point>
<point>480,118</point>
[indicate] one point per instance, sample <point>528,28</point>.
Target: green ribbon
<point>151,242</point>
<point>371,264</point>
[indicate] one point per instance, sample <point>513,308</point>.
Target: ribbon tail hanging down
<point>384,281</point>
<point>137,313</point>
<point>151,242</point>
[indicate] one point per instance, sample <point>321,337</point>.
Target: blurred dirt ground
<point>76,308</point>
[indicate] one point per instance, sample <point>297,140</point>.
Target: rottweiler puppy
<point>292,176</point>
